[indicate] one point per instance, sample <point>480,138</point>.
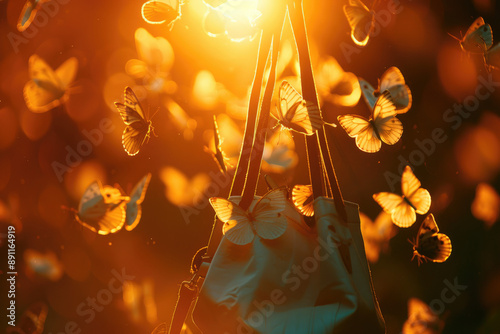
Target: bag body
<point>297,283</point>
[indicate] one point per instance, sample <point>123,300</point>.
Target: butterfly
<point>32,321</point>
<point>158,12</point>
<point>303,199</point>
<point>430,244</point>
<point>478,37</point>
<point>403,208</point>
<point>294,113</point>
<point>139,128</point>
<point>133,207</point>
<point>102,209</point>
<point>492,58</point>
<point>45,265</point>
<point>279,154</point>
<point>382,126</point>
<point>28,13</point>
<point>361,20</point>
<point>393,81</point>
<point>376,234</point>
<point>182,191</point>
<point>265,219</point>
<point>47,88</point>
<point>486,204</point>
<point>337,86</point>
<point>219,155</point>
<point>421,319</point>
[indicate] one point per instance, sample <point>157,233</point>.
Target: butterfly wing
<point>302,197</point>
<point>270,223</point>
<point>158,12</point>
<point>492,57</point>
<point>368,93</point>
<point>421,319</point>
<point>478,37</point>
<point>360,128</point>
<point>431,244</point>
<point>361,21</point>
<point>388,128</point>
<point>419,198</point>
<point>402,214</point>
<point>66,72</point>
<point>295,113</point>
<point>393,81</point>
<point>92,204</point>
<point>237,226</point>
<point>138,128</point>
<point>134,209</point>
<point>28,14</point>
<point>44,91</point>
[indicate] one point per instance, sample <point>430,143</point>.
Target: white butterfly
<point>403,208</point>
<point>362,21</point>
<point>133,208</point>
<point>102,209</point>
<point>294,113</point>
<point>47,88</point>
<point>393,81</point>
<point>265,219</point>
<point>430,244</point>
<point>158,12</point>
<point>382,126</point>
<point>478,37</point>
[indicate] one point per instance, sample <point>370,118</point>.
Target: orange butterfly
<point>303,199</point>
<point>430,244</point>
<point>421,319</point>
<point>158,12</point>
<point>361,20</point>
<point>403,208</point>
<point>139,128</point>
<point>382,126</point>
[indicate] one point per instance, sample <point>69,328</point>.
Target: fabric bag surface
<point>297,283</point>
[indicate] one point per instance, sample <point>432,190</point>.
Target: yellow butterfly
<point>403,208</point>
<point>337,86</point>
<point>492,58</point>
<point>421,319</point>
<point>265,219</point>
<point>303,199</point>
<point>139,128</point>
<point>133,207</point>
<point>182,191</point>
<point>376,234</point>
<point>32,321</point>
<point>430,244</point>
<point>478,37</point>
<point>102,209</point>
<point>219,155</point>
<point>294,113</point>
<point>393,81</point>
<point>28,13</point>
<point>47,88</point>
<point>382,126</point>
<point>158,12</point>
<point>486,204</point>
<point>361,20</point>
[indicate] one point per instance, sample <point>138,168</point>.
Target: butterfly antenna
<point>68,209</point>
<point>157,109</point>
<point>455,37</point>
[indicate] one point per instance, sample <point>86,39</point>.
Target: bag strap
<point>317,145</point>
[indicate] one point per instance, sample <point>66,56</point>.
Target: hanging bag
<point>310,279</point>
